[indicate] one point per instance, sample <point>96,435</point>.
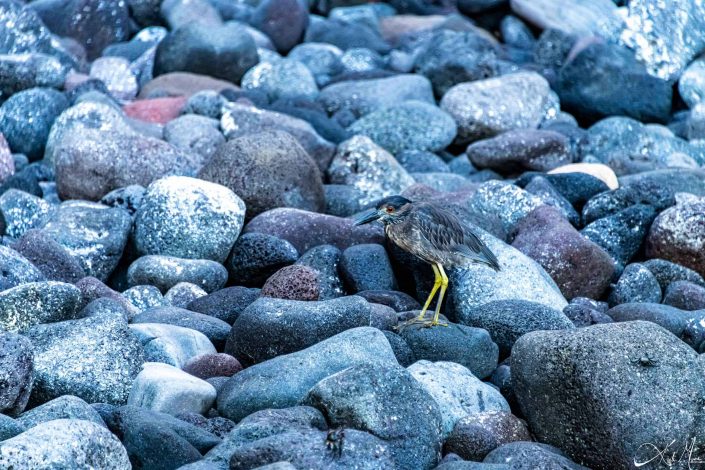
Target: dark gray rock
<point>508,320</point>
<point>402,351</point>
<point>667,272</point>
<point>271,327</point>
<point>256,256</point>
<point>285,380</point>
<point>221,51</point>
<point>603,80</point>
<point>20,72</point>
<point>395,408</point>
<point>16,269</point>
<point>623,370</point>
<point>27,116</point>
<point>188,218</point>
<point>421,161</point>
<point>622,234</point>
<point>367,267</point>
<point>225,304</point>
<point>267,170</point>
<point>32,303</point>
<point>94,234</point>
<point>94,358</point>
<point>324,259</point>
<point>206,103</point>
<point>215,330</point>
<point>577,188</point>
<point>306,230</point>
<point>67,443</point>
<point>468,346</point>
<point>540,187</point>
<point>92,289</point>
<point>399,301</point>
<point>64,407</point>
<point>16,359</point>
<point>345,35</point>
<point>323,60</point>
<point>523,455</point>
<point>477,435</point>
<point>610,202</point>
<point>164,272</point>
<point>636,284</point>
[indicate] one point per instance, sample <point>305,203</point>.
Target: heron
<point>434,235</point>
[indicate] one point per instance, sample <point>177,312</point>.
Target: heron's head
<point>389,210</point>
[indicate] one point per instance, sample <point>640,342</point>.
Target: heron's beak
<point>367,217</point>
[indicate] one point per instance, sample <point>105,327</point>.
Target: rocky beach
<point>183,285</point>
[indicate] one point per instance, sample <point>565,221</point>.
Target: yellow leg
<point>436,284</point>
<point>444,286</point>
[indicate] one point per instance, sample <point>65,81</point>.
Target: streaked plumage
<point>433,234</point>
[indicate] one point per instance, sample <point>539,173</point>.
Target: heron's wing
<point>445,232</point>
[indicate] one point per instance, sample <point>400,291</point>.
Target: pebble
<point>23,212</point>
<point>256,256</point>
<point>324,259</point>
<point>183,293</point>
<point>635,284</point>
<point>691,84</point>
<point>270,327</point>
<point>16,359</point>
<point>206,103</point>
<point>194,133</point>
<point>144,297</point>
<point>206,366</point>
<point>24,71</point>
<point>71,443</point>
<point>215,330</point>
<point>286,379</point>
<point>685,295</point>
<point>485,108</point>
<point>601,364</point>
<point>117,76</point>
<point>164,388</point>
<point>580,17</point>
<point>283,21</point>
<point>164,272</point>
<point>323,60</point>
<point>505,201</point>
<point>526,454</point>
<point>267,170</point>
<point>281,79</point>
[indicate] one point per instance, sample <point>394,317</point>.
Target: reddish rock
<point>580,267</point>
<point>295,282</point>
<point>205,366</point>
<point>685,295</point>
<point>678,235</point>
<point>156,110</point>
<point>7,163</point>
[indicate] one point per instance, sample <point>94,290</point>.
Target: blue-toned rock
<point>636,284</point>
<point>23,212</point>
<point>325,259</point>
<point>183,293</point>
<point>16,359</point>
<point>256,256</point>
<point>215,330</point>
<point>15,269</point>
<point>281,79</point>
<point>64,407</point>
<point>366,267</point>
<point>225,304</point>
<point>32,303</point>
<point>24,71</point>
<point>476,435</point>
<point>171,344</point>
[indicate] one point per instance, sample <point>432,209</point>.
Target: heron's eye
<point>389,209</point>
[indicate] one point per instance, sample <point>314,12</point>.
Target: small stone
<point>281,79</point>
<point>155,110</point>
<point>691,84</point>
<point>188,218</point>
<point>215,330</point>
<point>24,71</point>
<point>579,17</point>
<point>164,388</point>
<point>182,84</point>
<point>271,327</point>
<point>65,407</point>
<point>685,295</point>
<point>16,270</point>
<point>67,443</point>
<point>193,133</point>
<point>225,304</point>
<point>206,103</point>
<point>117,76</point>
<point>143,297</point>
<point>323,60</point>
<point>23,212</point>
<point>598,170</point>
<point>164,272</point>
<point>283,21</point>
<point>523,454</point>
<point>505,201</point>
<point>292,282</point>
<point>183,293</point>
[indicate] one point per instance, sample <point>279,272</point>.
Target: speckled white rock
<point>485,108</point>
<point>23,211</point>
<point>115,72</point>
<point>520,277</point>
<point>171,344</point>
<point>505,201</point>
<point>64,444</point>
<point>37,302</point>
<point>370,169</point>
<point>183,294</point>
<point>188,218</point>
<point>281,79</point>
<point>457,391</point>
<point>161,387</point>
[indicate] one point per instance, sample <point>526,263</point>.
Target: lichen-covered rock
<point>65,443</point>
<point>32,303</point>
<point>188,218</point>
<point>94,234</point>
<point>362,164</point>
<point>94,358</point>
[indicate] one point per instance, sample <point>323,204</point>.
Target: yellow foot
<point>421,322</point>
